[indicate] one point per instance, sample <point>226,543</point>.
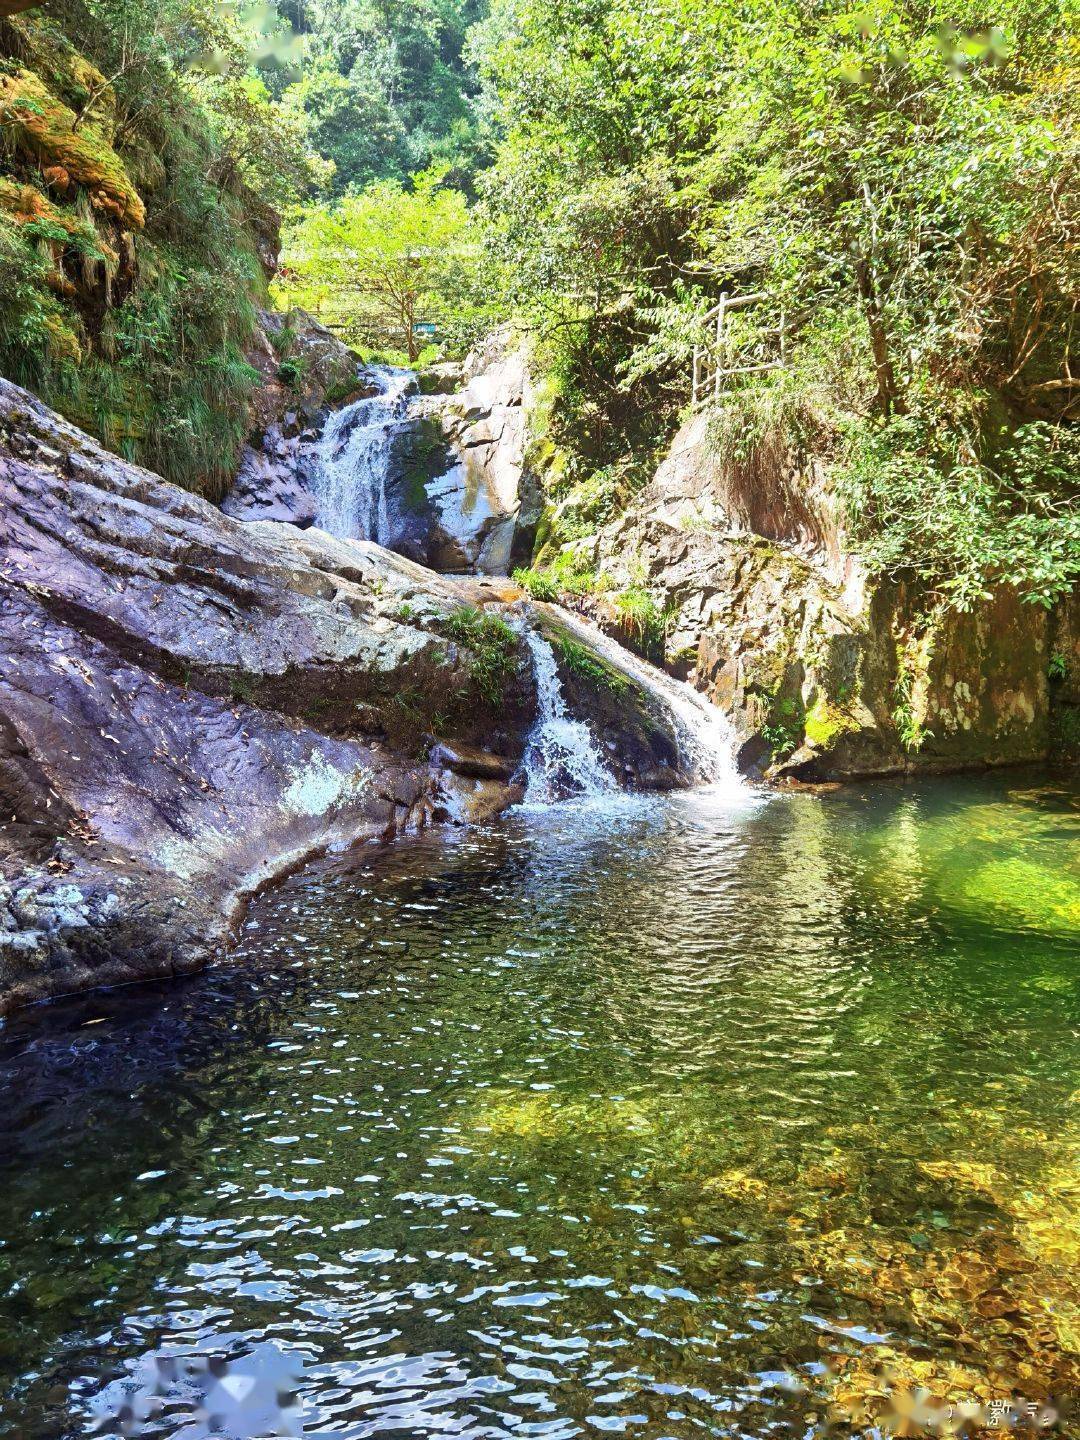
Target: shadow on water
<point>657,1117</point>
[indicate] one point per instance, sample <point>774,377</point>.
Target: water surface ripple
<point>662,1118</point>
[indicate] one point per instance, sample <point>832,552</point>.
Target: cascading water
<point>352,465</point>
<point>353,459</point>
<point>703,732</point>
<point>561,757</point>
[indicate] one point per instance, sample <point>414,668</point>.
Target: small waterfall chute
<point>353,457</point>
<point>561,756</point>
<point>702,731</point>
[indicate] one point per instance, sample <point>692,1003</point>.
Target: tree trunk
<point>410,324</point>
<point>889,397</point>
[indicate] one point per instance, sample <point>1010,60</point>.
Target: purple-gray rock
<point>189,704</point>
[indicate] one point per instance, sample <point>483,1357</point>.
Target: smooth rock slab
<point>189,704</point>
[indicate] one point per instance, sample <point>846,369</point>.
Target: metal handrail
<point>708,378</point>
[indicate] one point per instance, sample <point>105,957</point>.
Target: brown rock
<point>825,674</point>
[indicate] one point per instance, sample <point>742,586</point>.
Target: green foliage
<point>902,191</point>
<point>910,730</point>
<point>388,89</point>
<point>581,661</point>
<point>492,645</point>
<point>1058,668</point>
<point>934,499</point>
<point>647,620</point>
<point>380,261</point>
<point>291,370</point>
<point>783,729</point>
<point>565,575</point>
<point>540,584</point>
<point>127,297</point>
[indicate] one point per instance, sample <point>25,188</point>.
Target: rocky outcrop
<point>457,491</point>
<point>190,704</point>
<point>825,674</point>
<point>456,494</point>
<point>485,508</point>
<point>304,371</point>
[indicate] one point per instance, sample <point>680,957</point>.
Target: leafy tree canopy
<point>902,191</point>
<point>387,261</point>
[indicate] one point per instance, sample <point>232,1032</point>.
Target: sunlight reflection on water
<point>661,1117</point>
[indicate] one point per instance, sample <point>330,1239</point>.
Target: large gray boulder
<point>484,508</point>
<point>189,704</point>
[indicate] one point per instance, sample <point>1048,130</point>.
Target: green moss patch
<point>43,129</point>
<point>825,722</point>
<point>586,665</point>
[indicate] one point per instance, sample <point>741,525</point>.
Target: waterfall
<point>352,459</point>
<point>561,757</point>
<point>703,732</point>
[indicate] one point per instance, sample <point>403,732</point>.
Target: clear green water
<point>669,1119</point>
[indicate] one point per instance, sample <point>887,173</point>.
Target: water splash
<point>703,733</point>
<point>352,460</point>
<point>561,757</point>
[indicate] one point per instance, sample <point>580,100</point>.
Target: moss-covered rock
<point>825,673</point>
<point>45,130</point>
<point>634,730</point>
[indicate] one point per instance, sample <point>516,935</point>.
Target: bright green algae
<point>669,1119</point>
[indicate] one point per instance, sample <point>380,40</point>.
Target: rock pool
<point>658,1117</point>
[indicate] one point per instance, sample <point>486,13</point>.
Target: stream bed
<point>709,1115</point>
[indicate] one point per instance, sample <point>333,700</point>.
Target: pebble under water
<point>658,1117</point>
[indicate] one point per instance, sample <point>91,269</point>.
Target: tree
<point>388,88</point>
<point>902,190</point>
<point>377,263</point>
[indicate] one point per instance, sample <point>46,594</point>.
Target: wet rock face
<point>304,370</point>
<point>457,491</point>
<point>485,511</point>
<point>188,703</point>
<point>824,674</point>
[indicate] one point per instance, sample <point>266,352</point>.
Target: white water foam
<point>561,757</point>
<point>352,459</point>
<point>703,732</point>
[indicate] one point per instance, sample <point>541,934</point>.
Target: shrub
<point>647,620</point>
<point>492,646</point>
<point>541,584</point>
<point>944,504</point>
<point>581,661</point>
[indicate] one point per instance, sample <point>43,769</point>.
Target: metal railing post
<point>721,324</point>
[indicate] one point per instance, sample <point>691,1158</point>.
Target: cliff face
<point>826,673</point>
